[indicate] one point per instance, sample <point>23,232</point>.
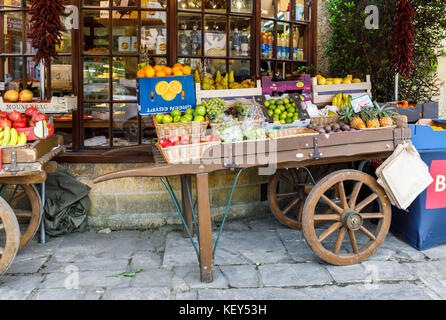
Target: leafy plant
<point>354,49</point>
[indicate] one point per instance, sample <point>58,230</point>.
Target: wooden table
<point>291,152</point>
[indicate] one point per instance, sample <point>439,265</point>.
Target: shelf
<point>282,60</point>
<point>104,22</point>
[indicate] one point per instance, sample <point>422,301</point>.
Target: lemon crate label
<point>164,94</point>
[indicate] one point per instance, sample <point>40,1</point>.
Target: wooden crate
<point>323,94</point>
<point>55,105</point>
<point>227,93</point>
<point>303,84</point>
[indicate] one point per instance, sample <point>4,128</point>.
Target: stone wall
<point>132,203</point>
<point>323,35</point>
<point>442,77</point>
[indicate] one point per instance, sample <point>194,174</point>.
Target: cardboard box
<point>424,137</point>
<point>164,94</point>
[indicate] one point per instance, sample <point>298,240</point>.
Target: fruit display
<point>10,137</point>
<point>176,116</point>
<point>282,110</point>
<point>14,96</point>
<point>239,110</point>
<point>184,139</point>
<point>405,104</point>
<point>147,71</point>
<point>329,128</point>
<point>345,80</point>
<point>370,117</point>
<point>214,107</point>
<point>208,82</point>
<point>231,131</point>
<point>341,100</point>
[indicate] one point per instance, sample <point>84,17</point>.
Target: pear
<point>218,77</point>
<point>231,77</point>
<point>197,78</point>
<point>225,81</point>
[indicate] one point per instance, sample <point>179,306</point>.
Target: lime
<point>289,120</point>
<point>286,100</point>
<point>293,104</point>
<point>167,119</point>
<point>272,101</point>
<point>291,109</point>
<point>188,116</point>
<point>288,106</point>
<point>290,115</point>
<point>282,116</point>
<point>279,102</point>
<point>276,119</point>
<point>277,111</point>
<point>177,119</point>
<point>199,118</point>
<point>282,108</point>
<point>272,107</point>
<point>282,121</point>
<point>270,113</point>
<point>189,111</point>
<point>267,104</point>
<point>296,117</point>
<point>159,118</point>
<point>175,113</point>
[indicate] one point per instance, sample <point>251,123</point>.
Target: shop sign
<point>164,94</point>
<point>436,192</point>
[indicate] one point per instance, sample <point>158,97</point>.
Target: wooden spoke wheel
<point>9,236</point>
<point>363,214</point>
<point>287,190</point>
<point>24,199</point>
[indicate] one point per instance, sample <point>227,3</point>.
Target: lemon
<point>161,87</point>
<point>321,81</point>
<point>347,80</point>
<point>356,80</point>
<point>329,82</point>
<point>337,81</point>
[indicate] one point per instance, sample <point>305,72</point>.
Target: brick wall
<point>130,203</point>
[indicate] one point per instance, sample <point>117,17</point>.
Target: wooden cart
<point>21,206</point>
<point>339,202</point>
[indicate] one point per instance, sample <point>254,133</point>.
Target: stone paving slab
<point>256,259</point>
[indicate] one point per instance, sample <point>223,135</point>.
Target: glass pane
<point>125,124</point>
<point>283,9</point>
<point>283,71</point>
<point>12,32</point>
<point>96,124</point>
<point>147,129</point>
<point>65,46</point>
<point>215,36</point>
<point>125,35</point>
<point>189,39</point>
<point>15,3</point>
<point>214,65</point>
<point>96,3</point>
<point>298,44</point>
<point>241,69</point>
<point>240,37</point>
<point>283,40</point>
<point>300,10</point>
<point>61,73</point>
<point>267,39</point>
<point>124,78</point>
<point>267,9</point>
<point>195,64</point>
<point>189,4</point>
<point>154,4</point>
<point>266,68</point>
<point>215,5</point>
<point>95,32</point>
<point>153,33</point>
<point>125,3</point>
<point>244,6</point>
<point>96,74</point>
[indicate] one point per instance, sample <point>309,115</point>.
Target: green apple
<point>201,111</point>
<point>175,113</point>
<point>184,119</point>
<point>188,116</point>
<point>167,119</point>
<point>159,118</point>
<point>199,118</point>
<point>189,111</point>
<point>176,119</point>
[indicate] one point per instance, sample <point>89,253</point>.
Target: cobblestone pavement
<point>255,259</point>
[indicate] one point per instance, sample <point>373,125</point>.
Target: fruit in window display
<point>11,96</point>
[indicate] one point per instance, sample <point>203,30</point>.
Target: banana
<point>7,136</point>
<point>22,139</point>
<point>14,136</point>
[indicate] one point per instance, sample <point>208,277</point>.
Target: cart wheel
<point>287,190</point>
<point>347,217</point>
<point>9,236</point>
<point>24,199</point>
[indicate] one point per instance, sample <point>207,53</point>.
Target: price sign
<point>361,102</point>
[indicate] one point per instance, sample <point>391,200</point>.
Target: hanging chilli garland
<point>403,38</point>
<point>46,29</point>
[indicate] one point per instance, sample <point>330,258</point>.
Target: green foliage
<point>353,49</point>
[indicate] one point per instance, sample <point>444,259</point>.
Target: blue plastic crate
<point>426,138</point>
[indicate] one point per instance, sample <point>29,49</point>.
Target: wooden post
<point>204,229</point>
<point>187,206</point>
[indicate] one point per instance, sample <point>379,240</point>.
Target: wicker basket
<point>193,128</point>
<point>185,153</point>
<point>292,132</point>
<point>325,120</point>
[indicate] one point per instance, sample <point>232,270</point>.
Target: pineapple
<point>348,115</point>
<point>370,116</point>
<point>385,113</point>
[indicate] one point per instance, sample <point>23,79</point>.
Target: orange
<point>168,71</point>
<point>187,70</point>
<point>175,69</point>
<point>161,87</point>
<point>158,68</point>
<point>141,73</point>
<point>179,65</point>
<point>149,71</point>
<point>160,73</point>
<point>168,96</point>
<point>178,73</point>
<point>175,86</point>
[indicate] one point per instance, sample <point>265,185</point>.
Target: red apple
<point>174,140</point>
<point>19,124</point>
<point>5,123</point>
<point>164,143</point>
<point>30,111</point>
<point>14,115</point>
<point>185,139</point>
